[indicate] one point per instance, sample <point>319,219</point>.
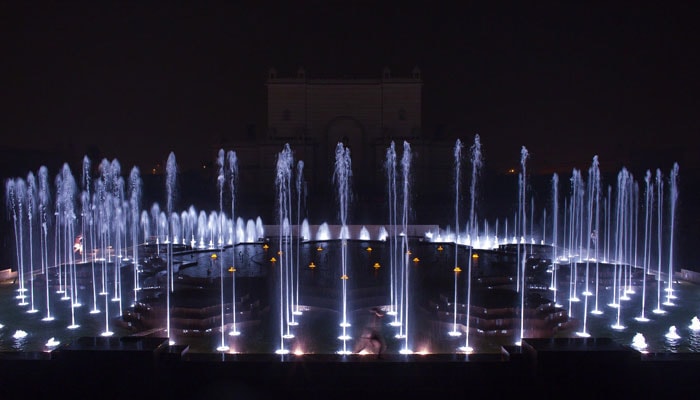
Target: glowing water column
<point>171,174</point>
<point>341,177</point>
<point>220,183</point>
<point>390,166</point>
<point>405,251</point>
<point>522,258</point>
<point>458,162</point>
<point>476,161</point>
<point>283,183</point>
<point>232,162</point>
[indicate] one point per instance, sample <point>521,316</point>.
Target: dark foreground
<point>111,368</point>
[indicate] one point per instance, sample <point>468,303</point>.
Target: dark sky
<point>138,79</point>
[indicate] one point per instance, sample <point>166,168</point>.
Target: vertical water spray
<point>476,161</point>
<point>301,198</point>
<point>31,212</point>
<point>405,251</point>
<point>659,237</point>
<point>555,232</point>
<point>648,201</point>
<point>135,189</point>
<point>44,204</point>
<point>341,177</point>
<point>66,199</point>
<point>522,258</point>
<point>118,223</point>
<point>87,232</point>
<point>232,163</point>
<point>457,270</point>
<point>673,198</point>
<point>595,234</point>
<point>170,182</point>
<point>591,236</point>
<point>390,167</point>
<point>220,161</point>
<point>14,195</point>
<point>283,184</point>
<point>622,214</point>
<point>574,226</point>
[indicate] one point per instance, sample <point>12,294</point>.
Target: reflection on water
<point>656,329</point>
<point>694,341</point>
<point>686,308</point>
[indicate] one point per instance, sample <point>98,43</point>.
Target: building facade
<point>363,114</point>
<point>313,115</point>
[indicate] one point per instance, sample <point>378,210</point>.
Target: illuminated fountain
<point>639,342</point>
<point>195,276</point>
<point>695,324</point>
<point>672,333</point>
<point>341,177</point>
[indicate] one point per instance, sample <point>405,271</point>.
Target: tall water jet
<point>170,187</point>
<point>522,258</point>
<point>390,168</point>
<point>301,199</point>
<point>405,251</point>
<point>88,231</point>
<point>555,232</point>
<point>220,161</point>
<point>457,270</point>
<point>284,198</point>
<point>673,198</point>
<point>574,232</point>
<point>648,202</point>
<point>232,163</point>
<point>31,211</point>
<point>44,204</point>
<point>341,177</point>
<point>14,192</point>
<point>593,190</point>
<point>476,162</point>
<point>66,217</point>
<point>622,214</point>
<point>659,238</point>
<point>135,189</point>
<point>595,234</point>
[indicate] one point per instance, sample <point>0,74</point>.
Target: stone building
<point>313,115</point>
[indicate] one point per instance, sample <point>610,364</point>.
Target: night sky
<point>136,80</point>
